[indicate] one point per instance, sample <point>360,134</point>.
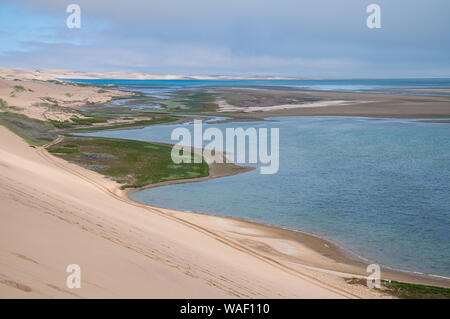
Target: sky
<point>301,38</point>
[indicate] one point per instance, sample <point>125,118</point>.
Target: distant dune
<point>39,74</point>
<point>48,100</point>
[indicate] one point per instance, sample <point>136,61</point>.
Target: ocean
<point>349,85</point>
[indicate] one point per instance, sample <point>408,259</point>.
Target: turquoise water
<point>351,85</point>
<point>378,187</point>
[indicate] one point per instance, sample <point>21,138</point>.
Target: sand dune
<point>41,74</point>
<point>55,213</point>
<point>49,100</point>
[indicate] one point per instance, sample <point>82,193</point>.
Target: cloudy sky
<point>306,38</point>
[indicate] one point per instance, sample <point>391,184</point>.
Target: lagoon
<point>377,187</point>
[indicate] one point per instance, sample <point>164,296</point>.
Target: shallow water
<point>378,187</point>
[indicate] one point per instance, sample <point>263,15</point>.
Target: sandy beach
<point>42,74</point>
<point>55,213</point>
<point>42,95</point>
<point>331,103</point>
<point>188,153</point>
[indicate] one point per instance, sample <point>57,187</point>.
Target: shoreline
<point>126,248</point>
<point>264,260</point>
<point>348,261</point>
<point>356,104</point>
<point>238,258</point>
<point>354,263</point>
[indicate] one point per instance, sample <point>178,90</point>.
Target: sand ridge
<point>56,213</point>
<point>52,100</point>
<point>52,74</point>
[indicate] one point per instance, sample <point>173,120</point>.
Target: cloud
<point>317,38</point>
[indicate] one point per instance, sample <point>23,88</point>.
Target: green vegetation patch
<point>416,291</point>
<point>15,108</point>
<point>87,120</point>
<point>3,103</point>
<point>34,132</point>
<point>62,150</point>
<point>54,81</point>
<point>153,121</point>
<point>61,124</point>
<point>405,290</point>
<point>189,101</point>
<point>18,88</point>
<point>50,100</point>
<point>132,163</point>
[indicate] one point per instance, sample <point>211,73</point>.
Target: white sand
<point>226,107</point>
<point>55,213</point>
<point>46,100</point>
<point>41,74</point>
